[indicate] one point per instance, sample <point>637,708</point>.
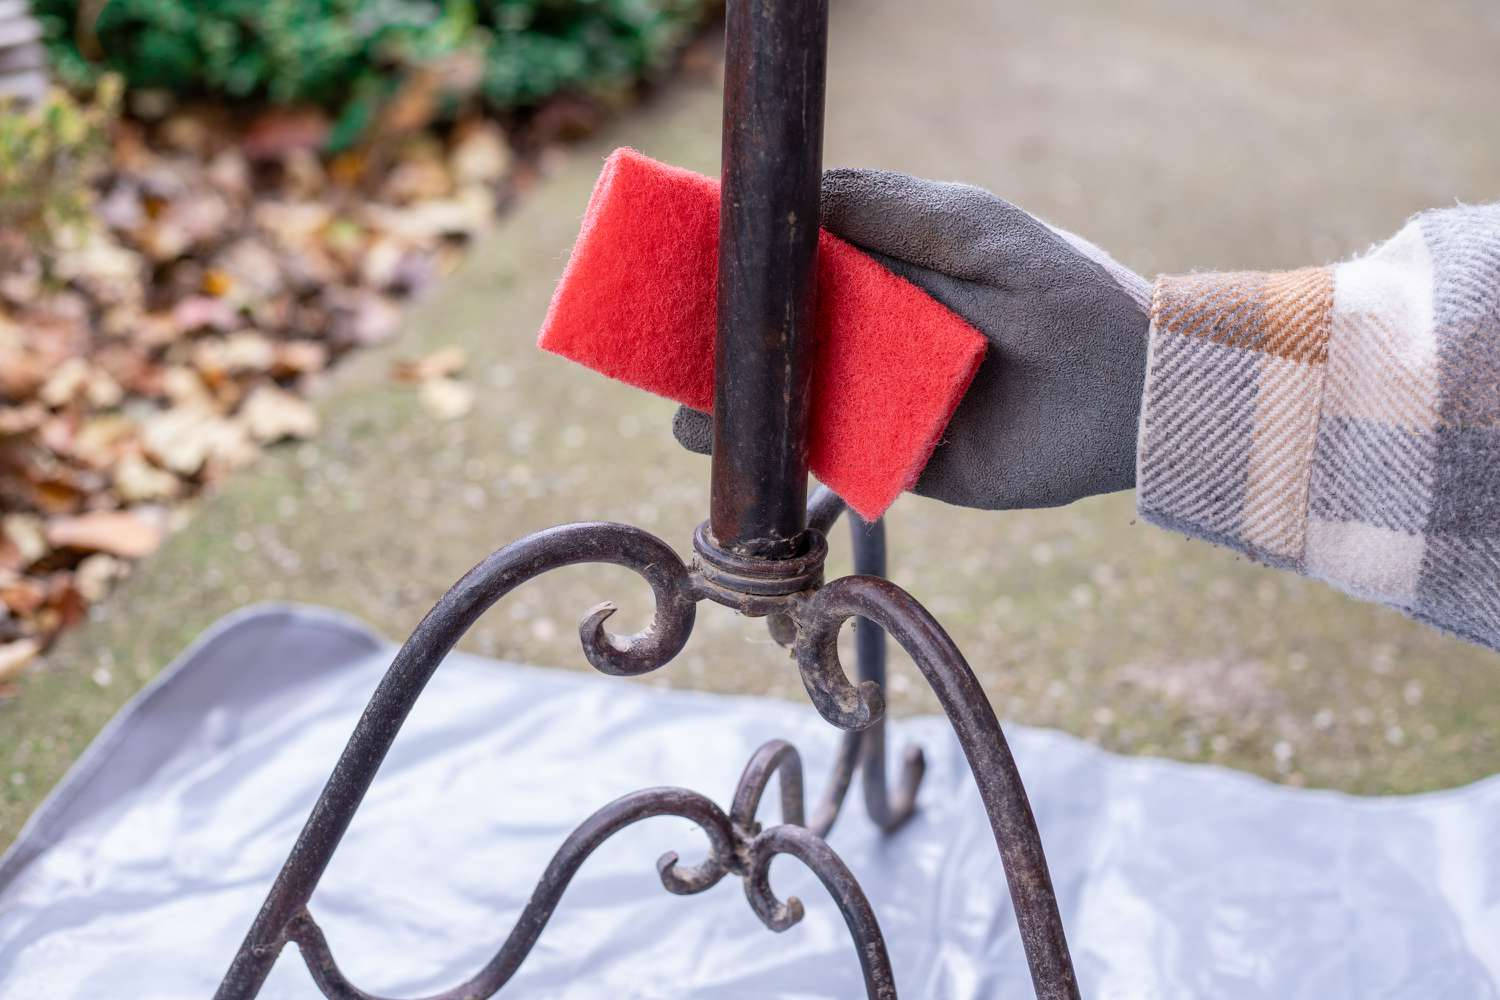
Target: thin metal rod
<point>775,54</point>
<point>888,808</point>
<point>624,811</point>
<point>979,735</point>
<point>736,844</point>
<point>865,749</point>
<point>415,664</point>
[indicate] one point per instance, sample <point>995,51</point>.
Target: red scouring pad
<point>636,302</point>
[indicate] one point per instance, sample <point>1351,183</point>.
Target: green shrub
<point>330,52</point>
<point>49,153</point>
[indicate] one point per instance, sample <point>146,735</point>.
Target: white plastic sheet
<point>142,872</point>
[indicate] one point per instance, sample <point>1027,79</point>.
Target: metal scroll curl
<point>593,542</point>
<point>819,619</point>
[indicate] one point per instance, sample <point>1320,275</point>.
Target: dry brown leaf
<point>25,532</point>
<point>251,267</point>
<point>21,374</point>
<point>59,494</point>
<point>480,154</point>
<point>417,180</point>
<point>217,283</point>
<point>443,362</point>
<point>299,357</point>
<point>249,351</point>
<point>364,318</point>
<point>183,387</point>
<point>99,440</point>
<point>279,131</point>
<point>293,223</point>
<point>447,399</point>
<point>381,266</point>
<point>95,575</point>
<point>348,168</point>
<point>187,439</point>
<point>14,656</point>
<point>202,312</point>
<point>125,533</point>
<point>65,605</point>
<point>187,131</point>
<point>469,211</point>
<point>23,596</point>
<point>17,420</point>
<point>272,414</point>
<point>137,480</point>
<point>65,384</point>
<point>229,172</point>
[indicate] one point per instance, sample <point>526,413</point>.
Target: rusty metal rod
<point>775,53</point>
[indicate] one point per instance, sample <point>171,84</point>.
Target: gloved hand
<point>1051,415</point>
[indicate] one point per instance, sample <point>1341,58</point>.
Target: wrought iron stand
<point>760,553</point>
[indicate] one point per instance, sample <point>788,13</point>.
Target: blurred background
<point>271,270</point>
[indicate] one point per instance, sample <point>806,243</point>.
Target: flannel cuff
<point>1229,419</point>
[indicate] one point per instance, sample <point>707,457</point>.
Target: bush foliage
<point>49,153</point>
<point>334,52</point>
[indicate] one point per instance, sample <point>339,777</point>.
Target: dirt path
<point>1192,136</point>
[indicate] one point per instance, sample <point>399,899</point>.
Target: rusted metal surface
<point>760,553</point>
<point>738,844</point>
<point>768,241</point>
<point>415,664</point>
<point>841,703</point>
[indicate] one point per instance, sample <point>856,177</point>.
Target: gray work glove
<point>1051,415</point>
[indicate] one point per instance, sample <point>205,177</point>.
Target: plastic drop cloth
<point>139,876</point>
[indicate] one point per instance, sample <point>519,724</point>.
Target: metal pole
<point>768,242</point>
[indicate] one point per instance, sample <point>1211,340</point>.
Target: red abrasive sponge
<point>637,299</point>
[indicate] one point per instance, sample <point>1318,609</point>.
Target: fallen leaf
<point>251,268</point>
<point>65,605</point>
<point>462,215</point>
<point>25,532</point>
<point>95,574</point>
<point>480,154</point>
<point>229,172</point>
<point>186,131</point>
<point>188,439</point>
<point>299,357</point>
<point>279,131</point>
<point>443,362</point>
<point>99,439</point>
<point>302,174</point>
<point>184,388</point>
<point>18,420</point>
<point>137,480</point>
<point>417,180</point>
<point>446,398</point>
<point>66,383</point>
<point>203,312</point>
<point>14,656</point>
<point>217,283</point>
<point>272,414</point>
<point>117,532</point>
<point>363,318</point>
<point>58,494</point>
<point>23,596</point>
<point>382,263</point>
<point>293,223</point>
<point>21,374</point>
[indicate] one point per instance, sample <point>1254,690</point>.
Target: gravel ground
<point>1187,136</point>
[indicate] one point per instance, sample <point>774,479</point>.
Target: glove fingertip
<point>694,430</point>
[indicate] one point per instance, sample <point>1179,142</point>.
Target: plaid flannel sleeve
<point>1343,421</point>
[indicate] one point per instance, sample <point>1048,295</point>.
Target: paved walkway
<point>1182,135</point>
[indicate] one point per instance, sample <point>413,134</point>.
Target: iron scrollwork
<point>807,620</point>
